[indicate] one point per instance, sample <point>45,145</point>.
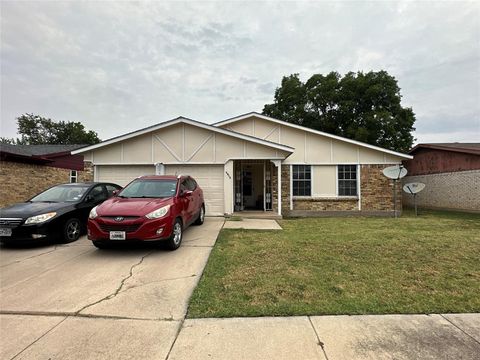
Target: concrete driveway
<point>74,301</point>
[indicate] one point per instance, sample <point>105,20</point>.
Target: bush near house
<point>428,264</point>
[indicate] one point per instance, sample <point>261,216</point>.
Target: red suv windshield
<point>146,188</point>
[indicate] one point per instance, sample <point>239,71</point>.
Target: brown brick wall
<point>313,204</point>
<point>20,181</point>
<point>285,187</point>
<point>377,189</point>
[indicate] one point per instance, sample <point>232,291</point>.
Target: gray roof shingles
<point>37,150</point>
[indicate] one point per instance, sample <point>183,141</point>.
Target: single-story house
<point>26,170</point>
<point>255,162</point>
<point>450,172</point>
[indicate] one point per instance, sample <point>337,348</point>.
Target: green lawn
<point>429,264</point>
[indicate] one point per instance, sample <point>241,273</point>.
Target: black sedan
<point>60,213</point>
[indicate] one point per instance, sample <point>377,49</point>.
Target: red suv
<point>150,208</point>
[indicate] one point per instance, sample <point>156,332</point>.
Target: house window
<point>73,176</point>
<point>302,180</point>
<point>347,180</point>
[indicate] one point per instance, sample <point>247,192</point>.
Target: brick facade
<point>376,196</point>
<point>285,189</point>
<point>452,190</point>
<point>324,204</point>
<point>377,190</point>
<point>21,181</point>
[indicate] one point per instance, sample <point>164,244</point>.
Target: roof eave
<point>359,143</point>
<point>418,147</point>
<point>192,122</point>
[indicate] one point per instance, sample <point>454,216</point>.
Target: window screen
<point>347,180</point>
<point>302,180</point>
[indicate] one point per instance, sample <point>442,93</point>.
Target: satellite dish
<point>395,172</point>
<point>413,188</point>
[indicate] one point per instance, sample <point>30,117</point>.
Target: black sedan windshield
<point>65,193</point>
<point>149,189</point>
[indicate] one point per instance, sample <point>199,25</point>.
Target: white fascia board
<point>336,137</point>
<point>185,121</point>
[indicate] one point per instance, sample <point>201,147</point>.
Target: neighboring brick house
<point>450,172</point>
<point>26,170</point>
<point>256,163</point>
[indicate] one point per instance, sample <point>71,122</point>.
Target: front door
<point>252,185</point>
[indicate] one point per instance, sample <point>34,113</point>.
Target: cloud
<point>119,66</point>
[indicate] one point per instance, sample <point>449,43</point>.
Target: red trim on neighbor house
<point>62,160</point>
<point>433,160</point>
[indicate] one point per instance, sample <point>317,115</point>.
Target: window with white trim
<point>347,180</point>
<point>73,176</point>
<point>302,180</point>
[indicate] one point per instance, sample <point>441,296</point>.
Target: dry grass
<point>428,264</point>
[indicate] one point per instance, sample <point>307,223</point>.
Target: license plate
<point>5,232</point>
<point>117,235</point>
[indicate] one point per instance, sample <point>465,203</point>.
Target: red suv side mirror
<point>186,193</point>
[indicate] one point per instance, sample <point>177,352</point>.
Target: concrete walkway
<point>252,224</point>
<point>453,336</point>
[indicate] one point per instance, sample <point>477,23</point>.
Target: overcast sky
<point>117,67</point>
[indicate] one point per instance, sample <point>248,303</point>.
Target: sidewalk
<point>450,336</point>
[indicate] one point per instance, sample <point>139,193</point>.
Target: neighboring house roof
<point>336,137</point>
<point>466,148</point>
<point>184,120</point>
<point>50,155</point>
<point>37,150</point>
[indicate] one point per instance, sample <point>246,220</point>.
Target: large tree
<point>37,130</point>
<point>360,106</point>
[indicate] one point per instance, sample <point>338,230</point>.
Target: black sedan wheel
<point>71,230</point>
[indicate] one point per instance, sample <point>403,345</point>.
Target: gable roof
<point>467,148</point>
<point>184,120</point>
<point>336,137</point>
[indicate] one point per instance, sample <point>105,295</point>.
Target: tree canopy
<point>359,106</point>
<point>37,130</point>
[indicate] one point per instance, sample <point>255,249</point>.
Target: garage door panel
<point>210,179</point>
<point>122,174</point>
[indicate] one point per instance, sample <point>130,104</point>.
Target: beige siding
<point>296,139</point>
<point>371,156</point>
<point>226,148</point>
<point>138,150</point>
<point>266,130</point>
<point>199,144</point>
<point>228,187</point>
<point>242,127</point>
<point>110,154</point>
<point>255,150</point>
<point>181,143</point>
<point>318,151</point>
<point>344,152</point>
<point>311,148</point>
<point>168,144</point>
<point>324,181</point>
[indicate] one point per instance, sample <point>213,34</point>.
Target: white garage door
<point>210,179</point>
<point>122,174</point>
